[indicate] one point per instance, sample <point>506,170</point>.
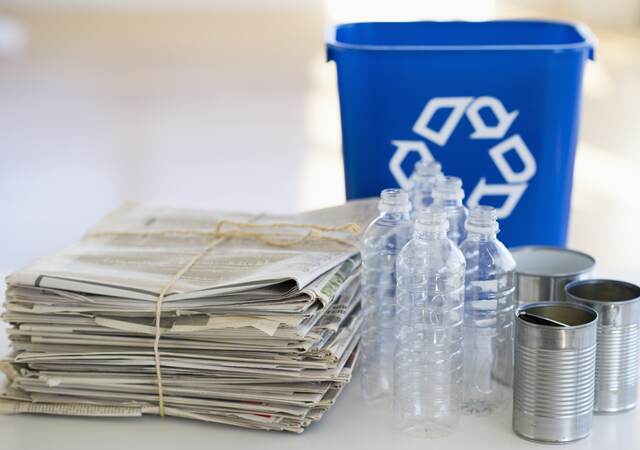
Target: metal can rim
<point>558,305</point>
<point>602,280</point>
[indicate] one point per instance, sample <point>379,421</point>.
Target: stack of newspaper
<point>252,334</point>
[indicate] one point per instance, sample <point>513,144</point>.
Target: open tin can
<point>555,359</point>
<point>618,306</point>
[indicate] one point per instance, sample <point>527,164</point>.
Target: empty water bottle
<point>424,177</point>
<point>428,357</point>
<point>448,194</point>
<point>488,314</point>
<point>383,240</point>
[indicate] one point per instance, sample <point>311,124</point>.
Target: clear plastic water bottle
<point>382,241</point>
<point>428,358</point>
<point>488,315</point>
<point>448,194</point>
<point>424,177</point>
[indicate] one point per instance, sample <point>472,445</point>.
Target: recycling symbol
<point>516,181</point>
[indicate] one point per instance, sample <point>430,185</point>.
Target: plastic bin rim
<point>588,42</point>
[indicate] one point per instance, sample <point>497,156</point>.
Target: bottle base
<point>480,408</point>
<point>427,430</point>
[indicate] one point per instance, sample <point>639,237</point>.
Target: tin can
<point>618,306</point>
<point>555,359</point>
<point>542,272</point>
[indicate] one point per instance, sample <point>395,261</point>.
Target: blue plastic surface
<point>497,103</point>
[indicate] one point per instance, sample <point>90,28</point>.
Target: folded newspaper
<point>156,311</point>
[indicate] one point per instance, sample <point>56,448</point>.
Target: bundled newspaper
<point>247,320</point>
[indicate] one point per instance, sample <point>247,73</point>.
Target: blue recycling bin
<point>497,103</point>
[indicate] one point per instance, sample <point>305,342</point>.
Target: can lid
<point>551,262</point>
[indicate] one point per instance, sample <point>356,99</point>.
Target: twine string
<point>275,239</point>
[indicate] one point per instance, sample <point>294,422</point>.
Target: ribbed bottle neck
<point>481,223</point>
<point>427,170</point>
<point>429,235</point>
<point>476,236</point>
<point>448,192</point>
<point>394,201</point>
<point>447,203</point>
<point>395,216</point>
<point>425,180</point>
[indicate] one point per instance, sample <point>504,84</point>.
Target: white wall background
<point>230,105</point>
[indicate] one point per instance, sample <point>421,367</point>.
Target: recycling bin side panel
<point>506,122</point>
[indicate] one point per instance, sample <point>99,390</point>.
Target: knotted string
<point>315,232</point>
<point>281,240</point>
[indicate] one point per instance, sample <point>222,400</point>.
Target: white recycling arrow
<point>440,137</point>
<point>403,148</point>
<point>481,129</point>
<point>516,143</point>
<point>513,192</point>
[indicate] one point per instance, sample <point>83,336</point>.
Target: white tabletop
<point>350,424</point>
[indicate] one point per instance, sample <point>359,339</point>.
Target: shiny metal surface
<point>554,378</point>
<point>618,306</point>
<point>543,272</point>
